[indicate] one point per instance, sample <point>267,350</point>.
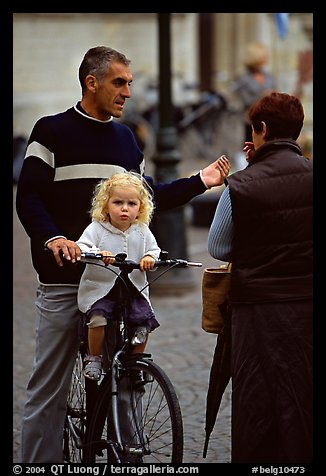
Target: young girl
<point>121,210</point>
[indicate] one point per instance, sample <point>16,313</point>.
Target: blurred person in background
<point>255,82</point>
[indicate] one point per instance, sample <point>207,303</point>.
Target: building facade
<point>206,49</point>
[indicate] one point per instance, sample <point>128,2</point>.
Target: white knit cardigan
<point>136,242</point>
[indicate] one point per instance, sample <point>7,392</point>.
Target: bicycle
<point>132,415</point>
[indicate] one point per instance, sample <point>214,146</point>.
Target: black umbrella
<point>220,375</point>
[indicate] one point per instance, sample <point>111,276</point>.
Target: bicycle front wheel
<point>147,414</point>
<point>75,422</point>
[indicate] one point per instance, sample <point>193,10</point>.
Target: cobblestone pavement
<point>179,345</point>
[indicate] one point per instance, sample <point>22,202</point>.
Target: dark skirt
<point>139,311</point>
<point>272,383</point>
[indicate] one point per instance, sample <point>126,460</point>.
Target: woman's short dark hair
<point>282,113</point>
<point>97,61</point>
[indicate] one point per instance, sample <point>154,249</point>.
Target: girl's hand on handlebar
<point>107,257</point>
<point>69,249</point>
<point>147,263</point>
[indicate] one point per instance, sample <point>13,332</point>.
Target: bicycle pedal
<point>133,455</point>
<point>139,379</point>
<point>147,378</point>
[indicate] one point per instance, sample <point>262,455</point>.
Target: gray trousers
<point>56,349</point>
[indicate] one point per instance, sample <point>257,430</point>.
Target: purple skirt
<point>139,311</point>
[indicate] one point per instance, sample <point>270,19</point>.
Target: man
<point>67,154</point>
<point>263,225</point>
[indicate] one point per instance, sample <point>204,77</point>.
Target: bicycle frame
<point>122,359</point>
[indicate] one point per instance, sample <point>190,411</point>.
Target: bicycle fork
<point>126,411</point>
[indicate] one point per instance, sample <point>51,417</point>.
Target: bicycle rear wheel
<point>149,417</point>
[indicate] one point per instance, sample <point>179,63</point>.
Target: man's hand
<point>70,250</point>
<point>215,173</point>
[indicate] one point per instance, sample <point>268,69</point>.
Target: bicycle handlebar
<point>123,263</point>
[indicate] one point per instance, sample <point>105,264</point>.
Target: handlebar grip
<point>192,263</point>
<point>179,263</point>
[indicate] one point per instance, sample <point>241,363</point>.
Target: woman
<point>263,225</point>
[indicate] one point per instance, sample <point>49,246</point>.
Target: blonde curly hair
<point>103,191</point>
